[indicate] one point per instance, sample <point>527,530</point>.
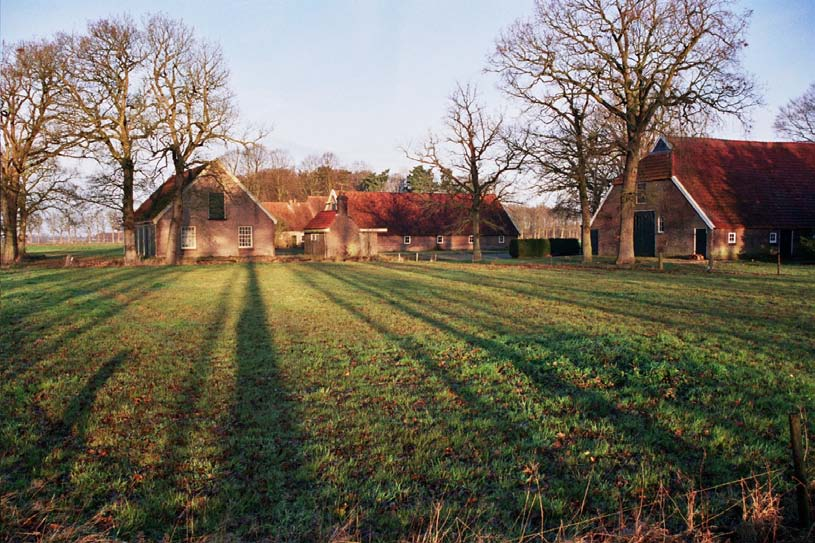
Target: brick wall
<point>449,243</point>
<point>679,218</point>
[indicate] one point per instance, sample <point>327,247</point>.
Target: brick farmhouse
<point>364,223</point>
<point>710,196</point>
<point>221,218</point>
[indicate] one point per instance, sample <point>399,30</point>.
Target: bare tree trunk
<point>585,229</point>
<point>22,226</point>
<point>475,217</point>
<point>625,254</point>
<point>176,213</point>
<point>128,214</point>
<point>8,206</point>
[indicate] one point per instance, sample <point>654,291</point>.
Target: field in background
<point>77,250</point>
<point>258,400</point>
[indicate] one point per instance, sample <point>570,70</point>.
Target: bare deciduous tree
<point>31,135</point>
<point>192,104</point>
<point>638,59</point>
<point>46,186</point>
<point>106,107</point>
<point>796,120</point>
<point>474,158</point>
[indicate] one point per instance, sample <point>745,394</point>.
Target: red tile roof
<point>422,214</point>
<point>322,221</point>
<point>748,183</point>
<point>296,215</point>
<point>741,183</point>
<point>163,196</point>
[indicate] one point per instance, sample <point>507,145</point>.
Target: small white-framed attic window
<point>406,240</point>
<point>439,240</point>
<point>731,238</point>
<point>773,238</point>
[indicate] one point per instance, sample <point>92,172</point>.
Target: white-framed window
<point>245,237</point>
<point>188,237</point>
<point>660,225</point>
<point>773,238</point>
<point>406,240</point>
<point>315,237</point>
<point>731,238</point>
<point>501,240</point>
<point>439,240</point>
<point>470,239</point>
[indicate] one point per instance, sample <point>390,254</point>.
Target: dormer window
<point>217,207</point>
<point>641,199</point>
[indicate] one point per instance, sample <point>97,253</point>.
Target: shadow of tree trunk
<point>269,485</point>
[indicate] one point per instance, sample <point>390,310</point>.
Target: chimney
<point>342,204</point>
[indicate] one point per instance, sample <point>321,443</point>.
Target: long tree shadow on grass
<point>500,493</point>
<point>654,309</point>
<point>175,499</point>
<point>268,487</point>
<point>63,439</point>
<point>73,305</point>
<point>639,428</point>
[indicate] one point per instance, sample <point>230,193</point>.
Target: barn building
<point>389,222</point>
<point>709,196</point>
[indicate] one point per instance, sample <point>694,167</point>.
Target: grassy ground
<point>281,400</point>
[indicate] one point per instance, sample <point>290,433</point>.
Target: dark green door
<point>645,233</point>
<point>595,242</point>
<point>701,242</point>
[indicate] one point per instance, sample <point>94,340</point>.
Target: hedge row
<point>531,248</point>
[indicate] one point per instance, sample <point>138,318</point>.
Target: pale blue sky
<point>361,78</point>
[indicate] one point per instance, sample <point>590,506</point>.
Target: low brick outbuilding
<point>708,196</point>
<point>389,222</point>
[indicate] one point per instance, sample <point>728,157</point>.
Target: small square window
<point>188,237</point>
<point>439,240</point>
<point>501,240</point>
<point>773,238</point>
<point>660,225</point>
<point>315,237</point>
<point>217,208</point>
<point>641,199</point>
<point>470,239</point>
<point>406,240</point>
<point>245,238</point>
<point>731,238</point>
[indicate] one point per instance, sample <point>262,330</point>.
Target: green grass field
<point>279,401</point>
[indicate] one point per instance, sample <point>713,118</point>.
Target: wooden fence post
<point>659,261</point>
<point>778,270</point>
<point>417,257</point>
<point>799,476</point>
